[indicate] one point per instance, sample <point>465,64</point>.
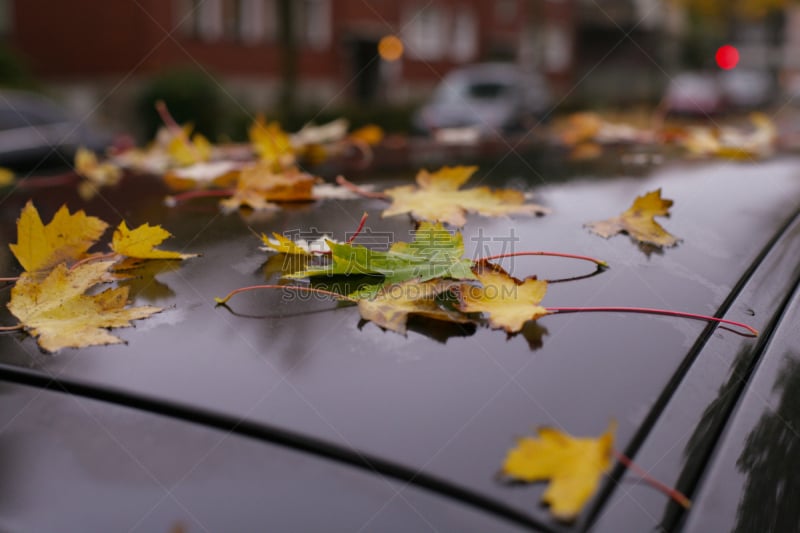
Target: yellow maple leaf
<point>271,143</point>
<point>88,166</point>
<point>507,301</point>
<point>66,238</point>
<point>189,152</point>
<point>258,186</point>
<point>638,221</point>
<point>60,314</point>
<point>141,242</point>
<point>370,134</point>
<point>391,307</point>
<point>437,197</point>
<point>573,465</point>
<point>283,245</point>
<point>6,177</point>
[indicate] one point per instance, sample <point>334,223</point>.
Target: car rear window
<point>487,91</point>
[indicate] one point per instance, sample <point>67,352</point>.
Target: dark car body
<point>493,98</point>
<point>282,413</point>
<point>35,131</point>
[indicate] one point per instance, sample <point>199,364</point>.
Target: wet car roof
<point>439,408</point>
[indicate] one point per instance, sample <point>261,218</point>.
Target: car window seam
<point>660,404</point>
<point>277,436</point>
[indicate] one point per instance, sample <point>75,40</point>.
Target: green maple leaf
<point>434,253</point>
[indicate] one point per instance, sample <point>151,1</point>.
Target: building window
<point>426,32</point>
<point>258,21</point>
<point>231,19</point>
<point>209,20</point>
<point>464,43</point>
<point>249,21</point>
<point>185,17</point>
<point>312,23</point>
<point>505,11</point>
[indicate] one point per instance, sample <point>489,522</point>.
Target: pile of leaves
<point>587,133</point>
<point>426,277</point>
<point>53,298</point>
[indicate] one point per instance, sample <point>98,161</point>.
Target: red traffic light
<point>727,57</point>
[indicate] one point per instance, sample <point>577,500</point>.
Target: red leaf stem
<point>674,494</point>
<point>67,178</point>
<point>349,185</point>
<point>651,311</point>
<point>168,120</point>
<point>598,262</point>
<point>359,228</point>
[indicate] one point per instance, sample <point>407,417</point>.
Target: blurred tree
<point>190,95</point>
<point>14,72</point>
<point>728,9</point>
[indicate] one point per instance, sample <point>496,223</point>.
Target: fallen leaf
<point>284,245</point>
<point>57,311</point>
<point>200,175</point>
<point>639,221</point>
<point>66,238</point>
<point>259,186</point>
<point>98,174</point>
<point>370,134</point>
<point>141,242</point>
<point>434,253</point>
<point>6,177</point>
<point>733,143</point>
<point>508,302</point>
<point>585,151</point>
<point>272,145</point>
<point>580,127</point>
<point>392,305</point>
<point>312,134</point>
<point>187,152</point>
<point>573,466</point>
<point>437,197</point>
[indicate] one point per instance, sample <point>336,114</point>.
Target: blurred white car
<point>35,130</point>
<point>493,98</point>
<point>694,93</point>
<point>706,93</point>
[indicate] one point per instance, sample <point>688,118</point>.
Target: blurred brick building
<point>93,48</point>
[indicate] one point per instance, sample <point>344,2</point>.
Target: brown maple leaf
<point>259,186</point>
<point>638,221</point>
<point>392,306</point>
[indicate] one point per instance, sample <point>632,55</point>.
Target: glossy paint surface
<point>441,406</point>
